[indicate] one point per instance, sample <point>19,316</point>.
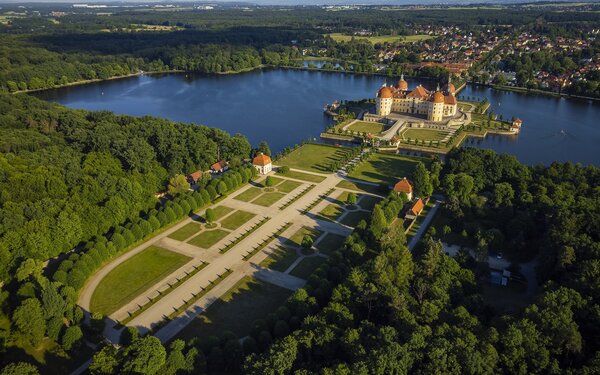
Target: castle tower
<point>385,97</point>
<point>436,112</point>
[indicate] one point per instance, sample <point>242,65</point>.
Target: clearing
<point>386,168</point>
<point>312,157</point>
<point>134,276</point>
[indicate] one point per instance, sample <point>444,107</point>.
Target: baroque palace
<point>435,105</point>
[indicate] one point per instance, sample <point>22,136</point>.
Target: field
<point>296,238</point>
<point>307,266</point>
<point>312,157</point>
<point>248,300</point>
<point>330,243</point>
<point>304,176</point>
<point>185,232</point>
<point>367,127</point>
<point>221,211</point>
<point>338,37</point>
<point>280,259</point>
<point>208,238</point>
<point>353,218</point>
<point>249,194</point>
<point>367,202</point>
<point>134,276</point>
<point>359,187</point>
<point>288,186</point>
<point>236,219</point>
<point>331,212</point>
<point>424,134</point>
<point>267,199</point>
<point>385,168</point>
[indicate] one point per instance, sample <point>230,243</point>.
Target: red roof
<point>418,92</point>
<point>261,159</point>
<point>403,186</point>
<point>417,208</point>
<point>450,99</point>
<point>385,92</point>
<point>517,121</point>
<point>218,165</point>
<point>196,175</point>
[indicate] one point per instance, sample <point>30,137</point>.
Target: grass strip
<point>303,193</point>
<point>171,288</point>
<point>244,235</point>
<point>266,241</point>
<point>200,294</point>
<point>317,201</point>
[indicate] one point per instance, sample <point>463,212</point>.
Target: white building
<point>262,163</point>
<point>420,101</point>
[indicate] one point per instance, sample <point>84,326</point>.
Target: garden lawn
<point>280,259</point>
<point>221,211</point>
<point>249,299</point>
<point>185,232</point>
<point>367,127</point>
<point>312,157</point>
<point>330,243</point>
<point>249,194</point>
<point>367,202</point>
<point>296,238</point>
<point>359,187</point>
<point>267,199</point>
<point>208,238</point>
<point>386,169</point>
<point>275,181</point>
<point>288,186</point>
<point>331,212</point>
<point>304,176</point>
<point>307,266</point>
<point>134,276</point>
<point>425,134</point>
<point>236,219</point>
<point>353,218</point>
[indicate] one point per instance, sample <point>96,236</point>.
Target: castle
<point>435,105</point>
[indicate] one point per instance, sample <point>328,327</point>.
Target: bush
<point>283,170</point>
<point>72,337</point>
<point>210,215</point>
<point>269,181</point>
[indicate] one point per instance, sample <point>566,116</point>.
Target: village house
<point>262,163</point>
<point>404,186</point>
<point>194,177</point>
<point>415,210</point>
<point>219,167</point>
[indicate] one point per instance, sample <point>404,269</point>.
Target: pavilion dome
<point>402,85</point>
<point>438,97</point>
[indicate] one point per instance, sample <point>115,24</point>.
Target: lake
<point>284,107</point>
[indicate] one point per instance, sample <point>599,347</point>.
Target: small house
<point>219,167</point>
<point>415,210</point>
<point>404,186</point>
<point>262,163</point>
<point>194,177</point>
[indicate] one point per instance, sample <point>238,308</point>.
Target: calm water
<point>285,107</point>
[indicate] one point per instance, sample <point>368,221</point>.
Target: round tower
<point>384,100</point>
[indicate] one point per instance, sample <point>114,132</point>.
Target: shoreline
<point>523,90</point>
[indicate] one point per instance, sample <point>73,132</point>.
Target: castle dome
<point>402,85</point>
<point>385,93</point>
<point>438,97</point>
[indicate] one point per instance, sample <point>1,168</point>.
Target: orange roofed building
<point>262,163</point>
<point>404,186</point>
<point>415,210</point>
<point>220,166</point>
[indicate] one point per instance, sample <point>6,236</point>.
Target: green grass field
<point>353,218</point>
<point>359,187</point>
<point>304,176</point>
<point>307,266</point>
<point>249,194</point>
<point>268,199</point>
<point>185,232</point>
<point>208,238</point>
<point>330,243</point>
<point>296,238</point>
<point>134,276</point>
<point>331,212</point>
<point>236,219</point>
<point>367,127</point>
<point>386,168</point>
<point>248,300</point>
<point>338,37</point>
<point>424,134</point>
<point>288,186</point>
<point>280,259</point>
<point>312,157</point>
<point>367,202</point>
<point>221,211</point>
